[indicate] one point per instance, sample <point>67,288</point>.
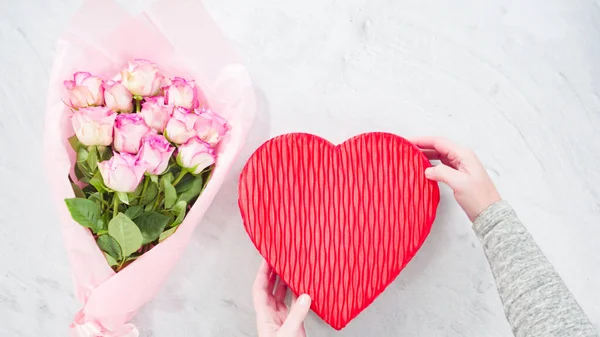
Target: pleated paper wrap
<point>183,40</point>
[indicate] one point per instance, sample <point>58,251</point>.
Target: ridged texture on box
<point>337,222</point>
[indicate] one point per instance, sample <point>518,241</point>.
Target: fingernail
<point>304,299</point>
<point>428,172</point>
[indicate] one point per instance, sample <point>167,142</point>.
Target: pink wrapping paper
<point>181,37</point>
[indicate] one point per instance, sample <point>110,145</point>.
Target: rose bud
<point>85,90</point>
<point>195,155</point>
<point>155,154</point>
<point>180,127</point>
<point>117,97</point>
<point>94,125</point>
<point>155,113</point>
<point>181,93</point>
<point>142,78</point>
<point>122,172</point>
<point>129,131</point>
<point>210,127</point>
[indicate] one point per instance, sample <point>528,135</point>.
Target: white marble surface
<point>515,80</point>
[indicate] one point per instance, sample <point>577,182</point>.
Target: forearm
<point>535,299</point>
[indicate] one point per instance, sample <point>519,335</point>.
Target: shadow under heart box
<point>338,222</point>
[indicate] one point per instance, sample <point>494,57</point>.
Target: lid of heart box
<point>337,222</point>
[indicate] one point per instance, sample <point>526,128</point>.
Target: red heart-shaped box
<point>337,222</point>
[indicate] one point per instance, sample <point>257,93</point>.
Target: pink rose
<point>117,97</point>
<point>210,127</point>
<point>155,113</point>
<point>142,78</point>
<point>129,131</point>
<point>155,154</point>
<point>94,125</point>
<point>181,93</point>
<point>195,155</point>
<point>180,127</point>
<point>85,90</point>
<point>122,172</point>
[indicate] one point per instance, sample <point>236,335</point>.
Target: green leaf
<point>179,209</point>
<point>78,191</point>
<point>132,258</point>
<point>134,211</point>
<point>79,173</point>
<point>111,260</point>
<point>154,178</point>
<point>193,191</point>
<point>110,246</point>
<point>82,154</point>
<point>75,143</point>
<point>98,182</point>
<point>207,173</point>
<point>84,174</point>
<point>185,184</point>
<point>104,153</point>
<point>85,212</point>
<point>104,229</point>
<point>164,235</point>
<point>123,197</point>
<point>170,192</point>
<point>105,220</point>
<point>127,234</point>
<point>92,158</point>
<point>89,190</point>
<point>151,224</point>
<point>149,195</point>
<point>96,197</point>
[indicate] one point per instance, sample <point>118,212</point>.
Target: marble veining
<point>516,81</point>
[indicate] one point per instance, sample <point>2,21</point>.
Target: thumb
<point>443,173</point>
<point>296,317</point>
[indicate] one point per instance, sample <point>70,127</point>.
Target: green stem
<point>157,202</point>
<point>145,186</point>
<point>115,205</point>
<point>179,177</point>
<point>137,105</point>
<point>104,201</point>
<point>106,204</point>
<point>121,264</point>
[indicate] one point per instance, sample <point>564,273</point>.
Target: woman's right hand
<point>462,171</point>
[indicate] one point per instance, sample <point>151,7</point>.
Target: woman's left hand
<point>272,316</point>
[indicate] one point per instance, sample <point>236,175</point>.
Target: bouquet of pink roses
<point>145,148</point>
<point>138,153</point>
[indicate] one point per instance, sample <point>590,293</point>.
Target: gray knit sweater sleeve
<point>535,299</point>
